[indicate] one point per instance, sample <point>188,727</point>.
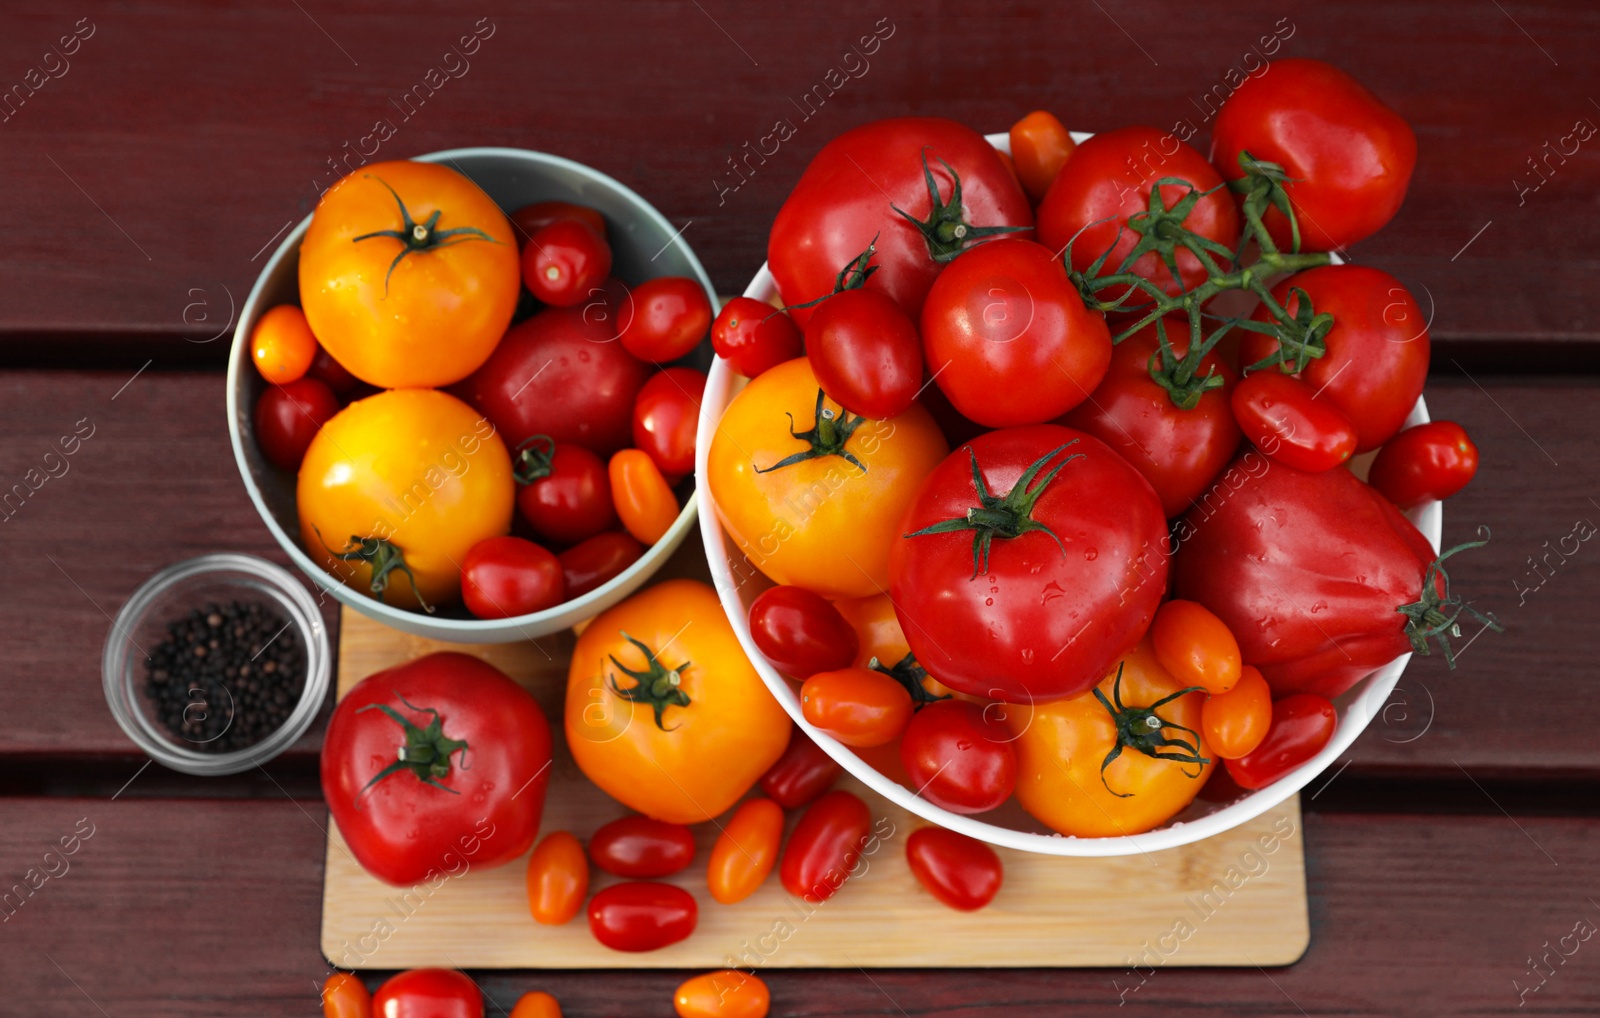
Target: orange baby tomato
<point>725,994</point>
<point>746,851</point>
<point>282,346</point>
<point>857,706</point>
<point>1235,722</point>
<point>558,879</point>
<point>1040,146</point>
<point>345,996</point>
<point>1195,646</point>
<point>537,1004</point>
<point>645,502</point>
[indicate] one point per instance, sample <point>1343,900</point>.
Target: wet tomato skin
<point>802,773</point>
<point>800,632</point>
<point>642,915</point>
<point>642,848</point>
<point>962,872</point>
<point>825,846</point>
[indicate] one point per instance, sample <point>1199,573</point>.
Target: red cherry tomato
<point>958,757</point>
<point>563,490</point>
<point>564,261</point>
<point>590,564</point>
<point>1008,337</point>
<point>345,996</point>
<point>503,577</point>
<point>1302,723</point>
<point>825,846</point>
<point>332,374</point>
<point>642,848</point>
<point>802,773</point>
<point>865,353</point>
<point>801,633</point>
<point>1430,461</point>
<point>428,993</point>
<point>962,872</point>
<point>753,336</point>
<point>858,706</point>
<point>641,915</point>
<point>289,416</point>
<point>1284,418</point>
<point>670,316</point>
<point>530,219</point>
<point>666,414</point>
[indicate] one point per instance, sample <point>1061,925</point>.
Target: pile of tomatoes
<point>1145,553</point>
<point>447,993</point>
<point>476,409</point>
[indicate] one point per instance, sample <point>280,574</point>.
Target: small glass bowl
<point>171,594</point>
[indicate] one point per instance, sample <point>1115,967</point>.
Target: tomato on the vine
<point>1285,418</point>
<point>800,632</point>
<point>589,564</point>
<point>641,915</point>
<point>565,262</point>
<point>563,490</point>
<point>746,851</point>
<point>754,336</point>
<point>1302,723</point>
<point>640,847</point>
<point>1040,146</point>
<point>959,756</point>
<point>503,577</point>
<point>1430,461</point>
<point>962,872</point>
<point>428,993</point>
<point>666,414</point>
<point>825,845</point>
<point>670,317</point>
<point>865,352</point>
<point>288,417</point>
<point>1235,722</point>
<point>558,879</point>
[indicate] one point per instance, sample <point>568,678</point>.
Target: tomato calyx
<point>946,230</point>
<point>1435,615</point>
<point>655,684</point>
<point>426,751</point>
<point>415,237</point>
<point>827,437</point>
<point>1263,185</point>
<point>383,556</point>
<point>1005,516</point>
<point>852,277</point>
<point>1177,374</point>
<point>909,674</point>
<point>533,459</point>
<point>1142,729</point>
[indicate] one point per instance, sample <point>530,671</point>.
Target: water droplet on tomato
<point>988,602</point>
<point>1090,554</point>
<point>1052,590</point>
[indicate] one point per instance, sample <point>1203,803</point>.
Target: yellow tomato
<point>664,711</point>
<point>1061,747</point>
<point>282,345</point>
<point>814,496</point>
<point>409,274</point>
<point>397,487</point>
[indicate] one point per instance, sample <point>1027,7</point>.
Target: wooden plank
<point>1092,913</point>
<point>192,909</point>
<point>148,177</point>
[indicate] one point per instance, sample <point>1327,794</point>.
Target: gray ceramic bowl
<point>644,245</point>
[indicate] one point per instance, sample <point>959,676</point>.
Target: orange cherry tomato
<point>345,996</point>
<point>1195,646</point>
<point>645,502</point>
<point>558,879</point>
<point>537,1004</point>
<point>1040,146</point>
<point>282,346</point>
<point>880,636</point>
<point>746,850</point>
<point>1235,722</point>
<point>857,706</point>
<point>725,994</point>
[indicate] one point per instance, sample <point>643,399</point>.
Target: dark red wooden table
<point>150,165</point>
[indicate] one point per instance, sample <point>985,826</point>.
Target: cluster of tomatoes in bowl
<point>478,412</point>
<point>1049,452</point>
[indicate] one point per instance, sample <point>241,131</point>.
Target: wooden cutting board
<point>1236,899</point>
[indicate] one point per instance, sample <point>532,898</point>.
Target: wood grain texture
<point>1246,888</point>
<point>182,138</point>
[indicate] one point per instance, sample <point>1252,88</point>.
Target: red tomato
<point>1302,724</point>
<point>641,915</point>
<point>345,996</point>
<point>857,706</point>
<point>1421,464</point>
<point>1180,452</point>
<point>1347,156</point>
<point>1377,355</point>
<point>1286,420</point>
<point>803,772</point>
<point>395,785</point>
<point>670,317</point>
<point>1040,146</point>
<point>1109,179</point>
<point>559,374</point>
<point>289,416</point>
<point>801,633</point>
<point>589,564</point>
<point>564,491</point>
<point>874,182</point>
<point>1008,337</point>
<point>428,993</point>
<point>865,353</point>
<point>746,850</point>
<point>530,219</point>
<point>565,261</point>
<point>1235,722</point>
<point>958,757</point>
<point>666,414</point>
<point>994,615</point>
<point>753,336</point>
<point>962,872</point>
<point>825,846</point>
<point>332,374</point>
<point>558,879</point>
<point>642,848</point>
<point>729,993</point>
<point>504,577</point>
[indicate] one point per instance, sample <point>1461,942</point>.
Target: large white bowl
<point>1356,708</point>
